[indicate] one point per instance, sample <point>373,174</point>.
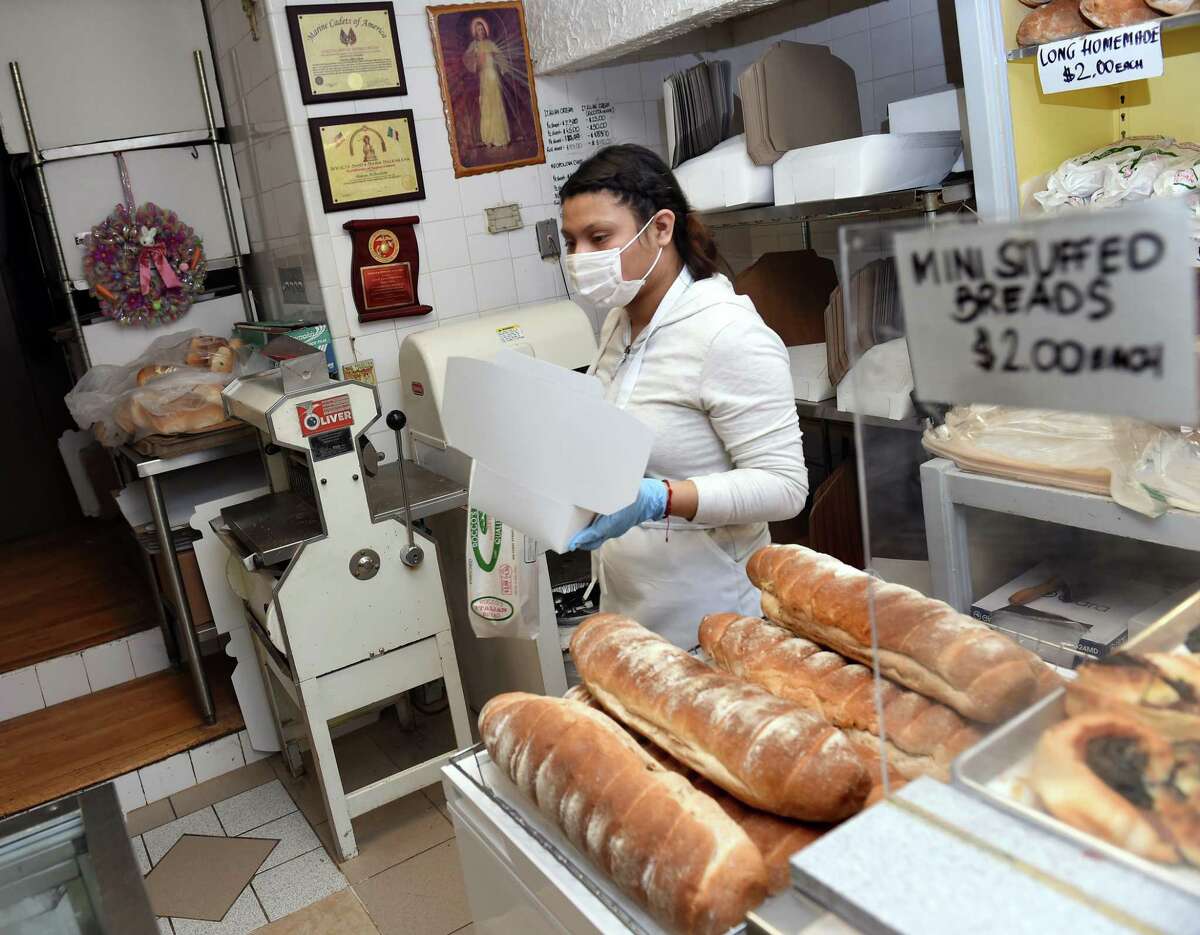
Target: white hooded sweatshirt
<point>714,383</point>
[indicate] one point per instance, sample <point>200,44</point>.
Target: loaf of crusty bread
<point>667,845</point>
<point>776,838</point>
<point>924,644</point>
<point>923,737</point>
<point>1058,19</point>
<point>1109,14</point>
<point>1174,7</point>
<point>768,752</point>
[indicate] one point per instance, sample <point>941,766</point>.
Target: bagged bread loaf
<point>768,752</point>
<point>924,644</point>
<point>1109,14</point>
<point>776,838</point>
<point>667,845</point>
<point>1058,19</point>
<point>923,737</point>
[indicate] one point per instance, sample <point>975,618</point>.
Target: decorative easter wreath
<point>144,265</point>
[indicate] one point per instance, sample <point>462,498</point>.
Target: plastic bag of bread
<point>173,387</point>
<point>1077,179</point>
<point>1142,466</point>
<point>1133,179</point>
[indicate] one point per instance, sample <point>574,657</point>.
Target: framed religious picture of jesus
<point>366,159</point>
<point>486,74</point>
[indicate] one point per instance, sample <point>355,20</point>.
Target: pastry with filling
<point>1162,690</point>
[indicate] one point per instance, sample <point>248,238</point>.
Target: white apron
<point>669,582</point>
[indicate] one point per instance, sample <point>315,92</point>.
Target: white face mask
<point>598,280</point>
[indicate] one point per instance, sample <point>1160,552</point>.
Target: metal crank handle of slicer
<point>412,556</point>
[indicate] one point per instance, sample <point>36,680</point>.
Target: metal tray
<point>981,767</point>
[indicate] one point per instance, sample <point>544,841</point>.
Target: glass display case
<point>67,868</point>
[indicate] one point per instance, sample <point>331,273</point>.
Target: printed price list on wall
<point>573,132</point>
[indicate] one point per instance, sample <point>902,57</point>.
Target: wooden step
<point>95,738</point>
<point>64,592</point>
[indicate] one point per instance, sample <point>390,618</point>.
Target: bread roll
<point>776,838</point>
<point>1098,773</point>
<point>670,847</point>
<point>1058,19</point>
<point>222,360</point>
<point>768,752</point>
<point>924,644</point>
<point>201,349</point>
<point>1108,14</point>
<point>1174,7</point>
<point>1162,690</point>
<point>151,371</point>
<point>923,737</point>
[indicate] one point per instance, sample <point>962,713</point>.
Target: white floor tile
<point>167,777</point>
<point>162,839</point>
<point>62,679</point>
<point>148,652</point>
<point>217,758</point>
<point>295,837</point>
<point>108,665</point>
<point>248,752</point>
<point>244,916</point>
<point>164,927</point>
<point>254,807</point>
<point>139,854</point>
<point>129,791</point>
<point>298,883</point>
<point>20,693</point>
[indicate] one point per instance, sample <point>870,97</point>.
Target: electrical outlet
<point>547,235</point>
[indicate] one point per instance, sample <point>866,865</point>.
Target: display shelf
<point>828,411</point>
<point>905,201</point>
<point>1169,23</point>
<point>945,488</point>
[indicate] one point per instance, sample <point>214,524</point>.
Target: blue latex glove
<point>651,504</point>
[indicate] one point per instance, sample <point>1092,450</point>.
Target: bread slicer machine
<point>345,600</point>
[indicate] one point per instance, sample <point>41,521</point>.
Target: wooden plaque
<point>384,268</point>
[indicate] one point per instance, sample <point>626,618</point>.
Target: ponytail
<point>642,181</point>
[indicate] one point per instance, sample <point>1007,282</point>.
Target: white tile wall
<point>62,678</point>
<point>108,665</point>
<point>167,777</point>
<point>217,758</point>
<point>20,693</point>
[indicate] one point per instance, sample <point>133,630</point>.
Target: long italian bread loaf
<point>768,752</point>
<point>776,838</point>
<point>667,845</point>
<point>924,644</point>
<point>923,737</point>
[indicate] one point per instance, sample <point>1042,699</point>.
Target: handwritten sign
<point>1096,59</point>
<point>1087,312</point>
<point>572,133</point>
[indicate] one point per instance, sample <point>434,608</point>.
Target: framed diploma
<point>346,51</point>
<point>367,159</point>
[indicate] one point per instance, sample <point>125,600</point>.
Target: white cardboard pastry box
<point>549,451</point>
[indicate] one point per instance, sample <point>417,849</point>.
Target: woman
<point>485,59</point>
<point>684,353</point>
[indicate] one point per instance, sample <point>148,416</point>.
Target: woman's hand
<point>651,504</point>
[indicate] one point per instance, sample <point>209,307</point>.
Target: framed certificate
<point>367,159</point>
<point>346,51</point>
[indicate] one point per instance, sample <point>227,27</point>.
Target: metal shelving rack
<point>39,157</point>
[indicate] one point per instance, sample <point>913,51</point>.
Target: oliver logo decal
<point>479,527</point>
<point>324,415</point>
<point>492,608</point>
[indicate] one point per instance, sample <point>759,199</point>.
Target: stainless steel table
<point>150,471</point>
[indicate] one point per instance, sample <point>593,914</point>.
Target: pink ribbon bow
<point>156,254</point>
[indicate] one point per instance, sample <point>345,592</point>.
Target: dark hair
<point>642,181</point>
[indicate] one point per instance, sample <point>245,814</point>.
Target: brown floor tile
<point>221,788</point>
<point>360,761</point>
<point>201,877</point>
<point>422,896</point>
<point>466,930</point>
<point>434,735</point>
<point>304,790</point>
<point>143,819</point>
<point>390,834</point>
<point>339,914</point>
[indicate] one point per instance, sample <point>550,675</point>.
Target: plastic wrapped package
<point>1134,179</point>
<point>1077,179</point>
<point>1140,465</point>
<point>168,390</point>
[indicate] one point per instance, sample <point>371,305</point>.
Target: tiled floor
<point>406,877</point>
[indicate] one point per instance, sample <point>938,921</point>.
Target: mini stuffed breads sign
<point>1083,312</point>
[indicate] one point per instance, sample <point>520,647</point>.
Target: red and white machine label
<point>325,415</point>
